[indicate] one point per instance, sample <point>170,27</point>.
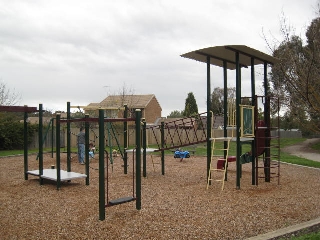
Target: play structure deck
<point>51,174</point>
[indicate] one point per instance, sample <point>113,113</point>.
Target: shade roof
<point>219,54</point>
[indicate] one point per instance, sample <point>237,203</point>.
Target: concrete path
<point>304,150</point>
<point>278,234</point>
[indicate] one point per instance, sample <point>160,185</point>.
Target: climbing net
<point>180,132</point>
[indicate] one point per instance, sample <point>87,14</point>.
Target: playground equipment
<point>56,174</point>
<point>52,174</point>
<point>102,144</point>
<point>137,153</point>
<point>111,134</point>
<point>235,57</point>
<point>181,154</point>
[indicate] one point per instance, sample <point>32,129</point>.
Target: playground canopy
<point>233,57</point>
<point>218,54</point>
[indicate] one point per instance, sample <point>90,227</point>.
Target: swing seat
<point>121,201</point>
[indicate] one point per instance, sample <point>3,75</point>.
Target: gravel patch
<point>174,206</point>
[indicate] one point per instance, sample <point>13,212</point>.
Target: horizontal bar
<point>97,120</point>
<point>98,107</point>
<point>18,109</point>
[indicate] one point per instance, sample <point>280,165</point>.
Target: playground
<point>183,196</point>
<point>174,206</point>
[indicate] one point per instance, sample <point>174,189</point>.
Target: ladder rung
<point>216,180</point>
<point>217,169</point>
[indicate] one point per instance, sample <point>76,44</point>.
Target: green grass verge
<point>304,236</point>
<point>201,150</point>
<point>316,146</point>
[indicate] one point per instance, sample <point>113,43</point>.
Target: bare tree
<point>7,96</point>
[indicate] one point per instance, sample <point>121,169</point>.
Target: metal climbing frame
<point>232,57</point>
<point>268,139</point>
<point>180,132</point>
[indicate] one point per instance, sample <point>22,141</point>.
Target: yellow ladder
<point>215,169</point>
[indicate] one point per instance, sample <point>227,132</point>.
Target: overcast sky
<point>81,51</point>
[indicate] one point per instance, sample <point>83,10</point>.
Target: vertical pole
<point>109,125</point>
<point>267,121</point>
<point>253,146</point>
<point>209,127</point>
<point>68,138</point>
<point>125,140</point>
<point>144,146</point>
<point>86,126</point>
<point>40,145</point>
<point>52,138</point>
<point>162,147</point>
<point>138,159</point>
<point>225,112</point>
<point>102,197</point>
<point>256,157</point>
<point>25,146</point>
<point>238,99</point>
<point>58,152</point>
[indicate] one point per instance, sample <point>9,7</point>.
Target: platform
<point>51,174</point>
<point>232,139</point>
<point>148,150</point>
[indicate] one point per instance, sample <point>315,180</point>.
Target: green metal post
<point>138,159</point>
<point>267,122</point>
<point>209,127</point>
<point>58,152</point>
<point>110,142</point>
<point>25,144</point>
<point>253,143</point>
<point>238,99</point>
<point>68,138</point>
<point>102,197</point>
<point>87,148</point>
<point>162,147</point>
<point>225,112</point>
<point>40,144</point>
<point>144,146</point>
<point>52,138</point>
<point>125,140</point>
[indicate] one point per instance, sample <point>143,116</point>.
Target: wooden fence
<point>180,137</point>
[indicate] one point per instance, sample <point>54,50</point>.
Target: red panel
<point>260,137</point>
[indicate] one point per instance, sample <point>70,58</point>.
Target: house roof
<point>219,54</point>
<point>118,101</point>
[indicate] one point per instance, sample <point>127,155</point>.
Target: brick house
<point>148,104</point>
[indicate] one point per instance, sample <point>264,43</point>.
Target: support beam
<point>138,159</point>
<point>253,143</point>
<point>238,98</point>
<point>102,197</point>
<point>18,109</point>
<point>209,121</point>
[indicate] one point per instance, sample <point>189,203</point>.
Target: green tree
<point>11,132</point>
<point>175,114</point>
<point>191,106</point>
<point>296,77</point>
<point>217,99</point>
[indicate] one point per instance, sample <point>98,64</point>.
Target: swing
<point>122,199</point>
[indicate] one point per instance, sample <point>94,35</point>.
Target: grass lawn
<point>201,150</point>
